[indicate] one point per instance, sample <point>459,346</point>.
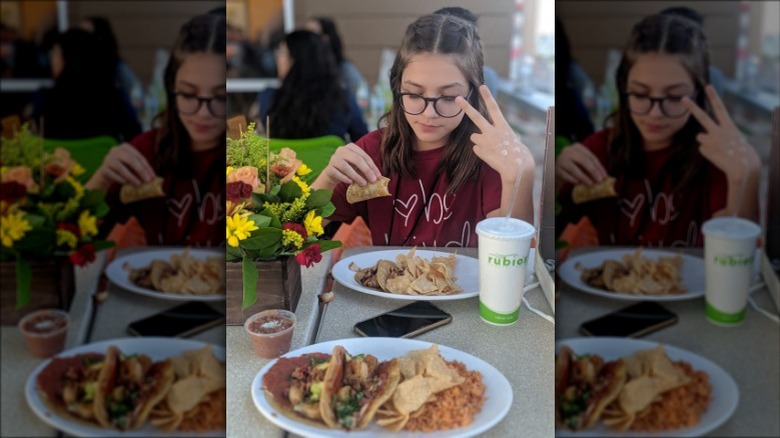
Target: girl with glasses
<point>677,156</point>
<point>451,157</point>
<point>186,147</point>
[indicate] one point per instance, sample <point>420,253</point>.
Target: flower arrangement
<point>45,210</point>
<point>271,210</point>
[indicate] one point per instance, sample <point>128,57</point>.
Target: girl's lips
<point>427,128</point>
<point>202,128</point>
<point>655,128</point>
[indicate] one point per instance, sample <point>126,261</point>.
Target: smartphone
<point>178,322</point>
<point>405,322</point>
<point>630,322</point>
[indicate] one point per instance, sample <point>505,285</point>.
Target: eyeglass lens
<point>444,106</point>
<point>643,104</point>
<point>189,104</point>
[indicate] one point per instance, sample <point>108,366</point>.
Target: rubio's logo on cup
<point>729,251</point>
<point>735,260</point>
<point>504,244</point>
<point>507,261</point>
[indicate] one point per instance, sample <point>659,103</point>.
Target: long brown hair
<point>683,38</point>
<point>202,34</point>
<point>447,35</point>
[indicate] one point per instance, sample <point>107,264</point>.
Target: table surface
<point>523,352</point>
<point>750,353</point>
<point>111,320</point>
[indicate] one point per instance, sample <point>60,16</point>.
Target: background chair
<point>88,152</point>
<point>314,152</point>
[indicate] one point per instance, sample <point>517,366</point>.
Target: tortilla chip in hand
<point>151,189</point>
<point>357,193</point>
<point>584,193</point>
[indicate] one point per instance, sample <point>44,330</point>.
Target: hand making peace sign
<point>497,145</point>
<point>721,143</point>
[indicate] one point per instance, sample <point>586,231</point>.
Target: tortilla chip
<point>151,189</point>
<point>583,193</point>
<point>357,193</point>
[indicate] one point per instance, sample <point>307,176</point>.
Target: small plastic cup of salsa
<point>271,332</point>
<point>45,331</point>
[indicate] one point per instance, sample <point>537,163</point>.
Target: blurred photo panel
<point>113,212</point>
<point>666,146</point>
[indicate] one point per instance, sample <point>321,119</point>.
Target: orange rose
<point>22,175</point>
<point>60,164</point>
<point>287,165</point>
<point>246,174</point>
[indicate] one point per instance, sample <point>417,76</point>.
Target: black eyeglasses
<point>445,106</point>
<point>671,106</point>
<point>189,104</point>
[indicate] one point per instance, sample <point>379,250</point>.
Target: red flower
<point>309,256</point>
<point>238,190</point>
<point>11,191</point>
<point>298,228</point>
<point>83,255</point>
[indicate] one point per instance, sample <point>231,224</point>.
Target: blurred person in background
<point>326,28</point>
<point>491,77</point>
<point>187,150</point>
<point>84,101</point>
<point>311,101</point>
<point>677,157</point>
<point>573,121</point>
<point>101,28</point>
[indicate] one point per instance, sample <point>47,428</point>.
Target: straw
<point>515,189</point>
<point>267,153</point>
<point>43,180</point>
<point>742,184</point>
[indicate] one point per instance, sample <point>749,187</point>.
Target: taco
<point>355,388</point>
<point>584,193</point>
<point>68,385</point>
<point>150,189</point>
<point>294,385</point>
<point>358,193</point>
<point>129,387</point>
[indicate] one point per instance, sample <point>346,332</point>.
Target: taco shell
<point>584,193</point>
<point>151,189</point>
<point>357,193</point>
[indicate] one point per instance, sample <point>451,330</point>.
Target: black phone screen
<point>632,321</point>
<point>404,322</point>
<point>180,321</point>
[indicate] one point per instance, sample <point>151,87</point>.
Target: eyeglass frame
<point>660,101</point>
<point>200,100</point>
<point>432,100</point>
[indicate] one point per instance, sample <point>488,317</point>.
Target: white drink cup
<point>504,244</point>
<point>729,251</point>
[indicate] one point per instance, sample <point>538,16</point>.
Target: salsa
<point>270,324</point>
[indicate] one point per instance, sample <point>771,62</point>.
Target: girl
<point>676,154</point>
<point>187,150</point>
<point>326,28</point>
<point>311,102</point>
<point>449,167</point>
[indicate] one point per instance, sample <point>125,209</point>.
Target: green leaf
<point>327,245</point>
<point>232,254</point>
<point>318,198</point>
<point>100,209</point>
<point>37,240</point>
<point>23,278</point>
<point>260,220</point>
<point>100,245</point>
<point>326,210</point>
<point>275,222</point>
<point>93,198</point>
<point>249,276</point>
<point>290,191</point>
<point>262,238</point>
<point>560,244</point>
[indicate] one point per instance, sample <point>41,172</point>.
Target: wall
<point>594,27</point>
<point>142,27</point>
<point>368,26</point>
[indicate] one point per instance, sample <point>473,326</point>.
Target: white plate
<point>119,276</point>
<point>692,273</point>
<point>498,391</point>
<point>724,397</point>
<point>466,270</point>
<point>155,348</point>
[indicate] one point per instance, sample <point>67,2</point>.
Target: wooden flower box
<point>278,287</point>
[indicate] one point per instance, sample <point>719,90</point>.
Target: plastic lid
<point>505,228</point>
<point>731,228</point>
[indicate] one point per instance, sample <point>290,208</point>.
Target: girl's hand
<point>721,143</point>
<point>497,145</point>
<point>123,164</point>
<point>576,164</point>
<point>351,164</point>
